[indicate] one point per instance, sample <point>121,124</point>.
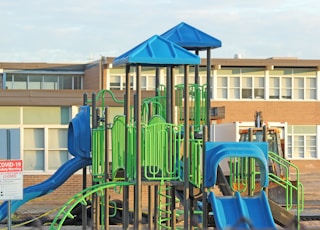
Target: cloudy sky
<point>83,30</point>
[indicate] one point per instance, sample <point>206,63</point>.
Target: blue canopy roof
<point>157,51</point>
<point>191,38</point>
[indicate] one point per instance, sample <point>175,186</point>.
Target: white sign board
<point>11,180</point>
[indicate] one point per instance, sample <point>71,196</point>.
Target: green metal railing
<point>82,198</point>
<point>195,162</point>
<point>286,183</point>
<point>119,165</point>
<point>239,173</point>
<point>101,97</point>
<point>161,150</point>
<point>243,177</point>
<point>153,106</point>
<point>98,154</point>
<point>197,104</point>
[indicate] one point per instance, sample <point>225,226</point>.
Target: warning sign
<point>11,180</point>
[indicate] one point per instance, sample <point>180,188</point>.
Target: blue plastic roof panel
<point>157,51</point>
<point>191,38</point>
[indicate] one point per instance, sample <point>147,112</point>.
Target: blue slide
<point>79,146</point>
<point>47,186</point>
<point>242,212</point>
<point>238,212</point>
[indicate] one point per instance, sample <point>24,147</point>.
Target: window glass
<point>65,115</point>
<point>258,88</point>
<point>77,82</point>
<point>9,81</point>
<point>247,87</point>
<point>33,138</point>
<point>132,82</point>
<point>151,82</point>
<point>58,145</point>
<point>289,152</point>
<point>56,158</point>
<point>115,82</point>
<point>302,141</point>
<point>298,88</point>
<point>222,82</point>
<point>311,147</point>
<point>58,138</point>
<point>33,149</point>
<point>143,82</point>
<point>33,160</point>
<point>50,82</point>
<point>311,92</point>
<point>65,82</point>
<point>179,79</point>
<point>274,91</point>
<point>246,93</point>
<point>234,88</point>
<point>34,81</point>
<point>222,93</point>
<point>20,81</point>
<point>286,88</point>
<point>259,93</point>
<point>247,82</point>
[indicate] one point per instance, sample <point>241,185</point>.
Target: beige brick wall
<point>295,113</point>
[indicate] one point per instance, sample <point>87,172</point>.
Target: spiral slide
<point>47,186</point>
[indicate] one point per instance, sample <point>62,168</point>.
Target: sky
<point>79,31</point>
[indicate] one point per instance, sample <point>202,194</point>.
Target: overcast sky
<point>83,30</point>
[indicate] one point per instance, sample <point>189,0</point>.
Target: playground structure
<point>170,154</point>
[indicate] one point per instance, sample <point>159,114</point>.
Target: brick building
<point>37,101</point>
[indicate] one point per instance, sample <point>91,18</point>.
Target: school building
<point>37,101</point>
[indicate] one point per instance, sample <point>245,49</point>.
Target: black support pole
<point>84,180</point>
<point>186,150</point>
<point>127,123</point>
<point>138,187</point>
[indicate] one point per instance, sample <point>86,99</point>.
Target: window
<point>286,88</point>
<point>45,148</point>
<point>65,82</point>
<point>43,81</point>
<point>302,142</point>
<point>246,87</point>
<point>243,83</point>
<point>252,87</point>
<point>298,88</point>
<point>179,79</point>
<point>311,91</point>
<point>151,82</point>
<point>222,87</point>
<point>274,91</point>
<point>77,82</point>
<point>19,81</point>
<point>143,81</point>
<point>259,87</point>
<point>294,84</point>
<point>33,149</point>
<point>57,147</point>
<point>118,82</point>
<point>9,81</point>
<point>50,82</point>
<point>234,88</point>
<point>115,82</point>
